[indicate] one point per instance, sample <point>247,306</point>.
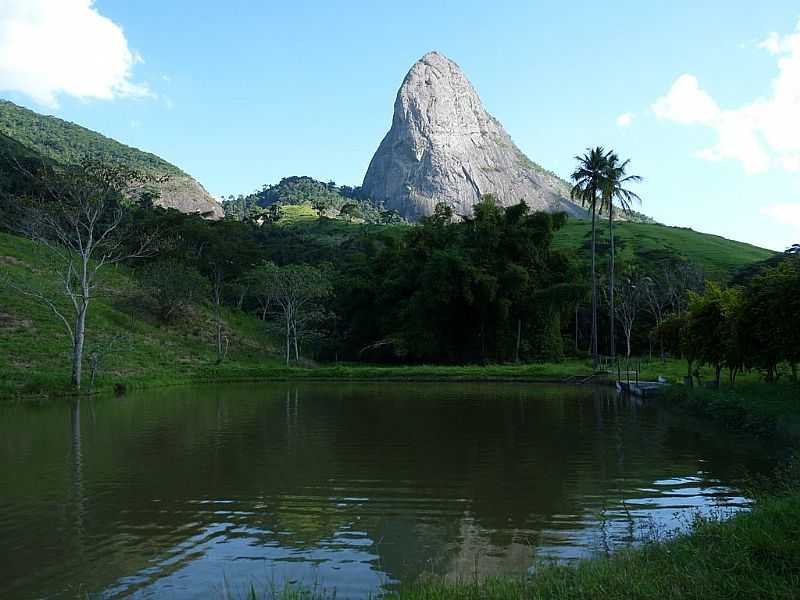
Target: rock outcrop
<point>444,147</point>
<point>185,194</point>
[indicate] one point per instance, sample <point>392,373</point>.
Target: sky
<point>703,97</point>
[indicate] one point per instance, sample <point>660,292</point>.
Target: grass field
<point>720,258</point>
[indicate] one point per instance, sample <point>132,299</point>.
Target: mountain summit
<point>444,147</point>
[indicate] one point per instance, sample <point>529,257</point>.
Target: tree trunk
<point>613,340</point>
<point>628,343</point>
<point>296,348</point>
<point>288,335</point>
<point>594,280</point>
<point>576,328</point>
<point>78,337</point>
<point>519,337</point>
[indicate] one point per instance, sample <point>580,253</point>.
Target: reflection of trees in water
<point>78,500</point>
<point>434,475</point>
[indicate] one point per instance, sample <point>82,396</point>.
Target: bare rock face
<point>185,194</point>
<point>444,147</point>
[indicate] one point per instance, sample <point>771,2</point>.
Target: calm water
<point>189,493</point>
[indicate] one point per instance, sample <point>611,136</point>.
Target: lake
<point>201,492</point>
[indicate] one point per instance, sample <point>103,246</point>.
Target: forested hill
<point>65,142</point>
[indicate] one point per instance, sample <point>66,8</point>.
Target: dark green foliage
<point>770,317</point>
<point>757,326</point>
<point>171,286</point>
<point>471,291</point>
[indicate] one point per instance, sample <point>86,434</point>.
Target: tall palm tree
<point>588,181</point>
<point>613,190</point>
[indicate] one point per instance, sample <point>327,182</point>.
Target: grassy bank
<point>763,409</point>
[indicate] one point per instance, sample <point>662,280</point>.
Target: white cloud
<point>686,103</point>
<point>761,134</point>
<point>786,214</point>
<point>624,120</point>
<point>53,47</point>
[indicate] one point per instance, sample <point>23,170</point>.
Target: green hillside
<point>67,142</point>
<point>647,243</point>
<point>34,349</point>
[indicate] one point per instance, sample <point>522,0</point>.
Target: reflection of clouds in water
<point>222,558</point>
<point>652,511</point>
<point>351,486</point>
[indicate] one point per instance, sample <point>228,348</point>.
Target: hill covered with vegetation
<point>309,197</point>
<point>134,344</point>
<point>66,142</point>
<point>650,244</point>
<point>62,142</point>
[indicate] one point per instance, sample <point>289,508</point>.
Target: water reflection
<point>183,493</point>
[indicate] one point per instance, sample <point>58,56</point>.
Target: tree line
<point>753,325</point>
<point>486,287</point>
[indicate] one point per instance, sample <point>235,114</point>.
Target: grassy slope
<point>34,348</point>
<point>719,257</point>
<point>297,213</point>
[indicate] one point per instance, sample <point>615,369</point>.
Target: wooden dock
<point>642,389</point>
<point>628,380</point>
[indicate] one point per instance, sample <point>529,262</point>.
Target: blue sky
<point>243,93</point>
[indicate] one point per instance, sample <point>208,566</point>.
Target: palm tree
<point>613,189</point>
<point>588,178</point>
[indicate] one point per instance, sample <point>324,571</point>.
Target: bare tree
<point>657,300</point>
<point>294,290</point>
<point>79,220</point>
<point>630,296</point>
